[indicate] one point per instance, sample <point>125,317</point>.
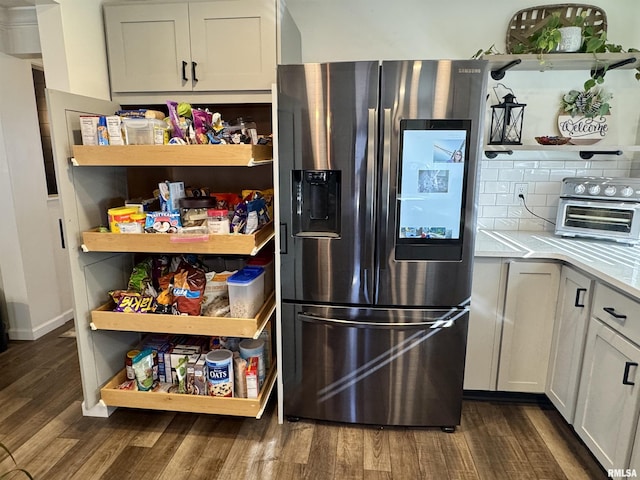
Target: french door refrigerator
<point>378,166</point>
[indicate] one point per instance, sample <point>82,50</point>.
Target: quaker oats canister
<point>220,373</point>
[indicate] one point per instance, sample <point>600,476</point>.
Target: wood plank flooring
<point>41,422</point>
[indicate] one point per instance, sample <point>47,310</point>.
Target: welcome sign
<point>583,130</point>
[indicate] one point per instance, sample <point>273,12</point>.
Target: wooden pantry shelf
<point>172,155</point>
<point>104,318</point>
<point>96,241</point>
<point>245,407</point>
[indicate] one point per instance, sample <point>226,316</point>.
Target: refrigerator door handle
<point>386,188</point>
<point>370,205</point>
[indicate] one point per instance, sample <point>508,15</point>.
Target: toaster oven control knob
<point>626,191</point>
<point>610,191</point>
<point>579,189</point>
<point>594,189</point>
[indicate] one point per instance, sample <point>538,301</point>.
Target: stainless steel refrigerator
<point>378,169</point>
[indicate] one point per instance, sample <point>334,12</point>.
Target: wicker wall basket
<point>528,21</point>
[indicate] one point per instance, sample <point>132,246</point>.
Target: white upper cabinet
<point>233,45</point>
<point>220,46</point>
<point>148,47</point>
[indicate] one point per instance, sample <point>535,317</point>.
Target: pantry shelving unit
<point>104,318</point>
<point>92,179</point>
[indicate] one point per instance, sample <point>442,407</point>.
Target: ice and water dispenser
<point>316,203</point>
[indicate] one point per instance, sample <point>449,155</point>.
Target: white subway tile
<point>535,200</point>
<point>577,164</point>
<point>485,223</point>
<point>516,212</point>
<point>531,225</point>
<point>526,164</point>
<point>496,187</point>
<point>489,174</point>
<point>553,200</point>
<point>560,173</point>
<point>537,175</point>
<point>486,199</point>
<point>589,173</point>
<point>511,175</point>
<point>495,211</point>
<point>505,199</point>
<point>551,164</point>
<point>547,187</point>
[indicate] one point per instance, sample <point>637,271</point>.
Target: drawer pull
<point>625,377</point>
<point>612,311</point>
<point>578,292</point>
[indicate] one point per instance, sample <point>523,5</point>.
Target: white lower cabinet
<point>510,326</point>
<point>485,324</point>
<point>569,333</point>
<point>607,407</point>
<point>527,326</point>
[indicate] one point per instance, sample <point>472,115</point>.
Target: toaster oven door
<point>610,220</point>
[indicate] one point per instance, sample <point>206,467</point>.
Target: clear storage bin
<point>246,292</point>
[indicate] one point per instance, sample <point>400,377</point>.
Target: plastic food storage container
<point>265,262</point>
<point>144,131</point>
<point>193,211</point>
<point>246,292</point>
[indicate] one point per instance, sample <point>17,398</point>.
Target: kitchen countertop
<point>614,263</point>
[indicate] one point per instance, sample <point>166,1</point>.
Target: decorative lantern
<point>506,121</point>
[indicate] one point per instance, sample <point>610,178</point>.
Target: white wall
<point>347,30</point>
<point>342,30</point>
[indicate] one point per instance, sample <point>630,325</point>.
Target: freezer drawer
<point>382,367</point>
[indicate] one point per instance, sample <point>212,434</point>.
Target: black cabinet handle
<point>61,233</point>
<point>612,311</point>
<point>184,71</point>
<point>625,377</point>
<point>283,239</point>
<point>578,292</point>
<point>193,71</point>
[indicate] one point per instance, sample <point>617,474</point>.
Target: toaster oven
<point>600,207</point>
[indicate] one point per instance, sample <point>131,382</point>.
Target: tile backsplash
<point>499,207</point>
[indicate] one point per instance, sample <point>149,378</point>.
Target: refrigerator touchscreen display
<point>431,181</point>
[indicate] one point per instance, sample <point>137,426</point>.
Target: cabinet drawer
<point>620,312</point>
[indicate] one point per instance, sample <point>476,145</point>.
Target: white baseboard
<point>49,326</point>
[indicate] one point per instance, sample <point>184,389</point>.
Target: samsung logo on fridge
<point>468,70</point>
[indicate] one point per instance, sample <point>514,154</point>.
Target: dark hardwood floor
<point>41,422</point>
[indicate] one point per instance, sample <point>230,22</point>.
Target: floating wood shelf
<point>104,318</point>
<point>499,64</point>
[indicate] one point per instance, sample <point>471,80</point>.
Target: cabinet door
<point>233,44</point>
<point>567,346</point>
<point>148,47</point>
<point>607,407</point>
<point>483,339</point>
<point>529,312</point>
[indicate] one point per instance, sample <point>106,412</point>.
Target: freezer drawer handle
<point>625,377</point>
<point>184,71</point>
<point>612,311</point>
<point>310,317</point>
<point>578,292</point>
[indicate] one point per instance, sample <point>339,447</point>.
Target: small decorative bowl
<point>552,140</point>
